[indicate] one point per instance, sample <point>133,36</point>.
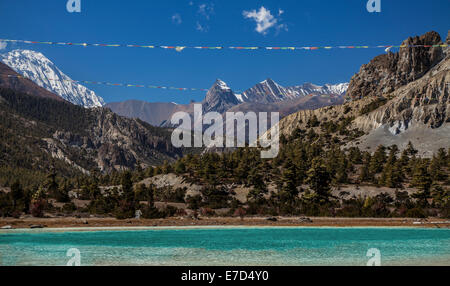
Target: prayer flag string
<point>249,48</point>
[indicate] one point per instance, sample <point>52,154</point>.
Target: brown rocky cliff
<point>386,73</point>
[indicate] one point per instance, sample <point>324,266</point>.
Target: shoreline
<point>86,224</point>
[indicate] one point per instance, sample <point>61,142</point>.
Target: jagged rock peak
<point>219,98</point>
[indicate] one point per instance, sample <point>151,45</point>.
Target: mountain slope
<point>44,73</point>
<point>41,133</point>
<point>289,106</point>
<point>22,85</point>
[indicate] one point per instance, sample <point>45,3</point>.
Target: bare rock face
<point>123,143</point>
<point>425,101</point>
<point>386,73</point>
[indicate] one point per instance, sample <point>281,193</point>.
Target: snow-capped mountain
<point>220,98</point>
<point>267,96</point>
<point>269,91</point>
<point>39,69</point>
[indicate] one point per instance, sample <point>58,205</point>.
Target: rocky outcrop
<point>386,73</point>
<point>415,87</point>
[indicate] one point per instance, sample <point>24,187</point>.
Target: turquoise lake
<point>237,246</point>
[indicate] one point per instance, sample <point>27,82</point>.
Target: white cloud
<point>264,20</point>
<point>3,45</point>
<point>282,27</point>
<point>206,9</point>
<point>201,28</point>
<point>204,13</point>
<point>176,19</point>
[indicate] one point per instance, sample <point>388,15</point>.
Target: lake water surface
<point>237,246</point>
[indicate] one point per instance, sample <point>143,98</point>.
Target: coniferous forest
<point>313,175</point>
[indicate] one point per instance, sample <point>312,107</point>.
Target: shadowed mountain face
<point>22,85</point>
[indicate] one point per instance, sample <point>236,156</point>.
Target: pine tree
<point>312,122</point>
<point>404,158</point>
<point>436,170</point>
<point>342,171</point>
<point>365,175</point>
<point>259,187</point>
<point>422,181</point>
<point>355,155</point>
<point>17,193</point>
<point>410,150</point>
<point>63,192</point>
<point>421,178</point>
<point>51,185</point>
<point>318,179</point>
<point>391,176</point>
<point>442,157</point>
<point>392,155</point>
<point>180,168</point>
<point>290,176</point>
<point>378,160</point>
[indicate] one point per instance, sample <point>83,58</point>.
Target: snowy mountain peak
<point>39,69</point>
<point>219,98</point>
<point>221,84</point>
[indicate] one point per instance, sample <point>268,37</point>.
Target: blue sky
<point>214,23</point>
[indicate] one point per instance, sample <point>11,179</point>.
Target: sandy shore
<point>72,222</point>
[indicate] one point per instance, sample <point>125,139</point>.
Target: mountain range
<point>220,98</point>
<point>396,98</point>
<point>265,96</point>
